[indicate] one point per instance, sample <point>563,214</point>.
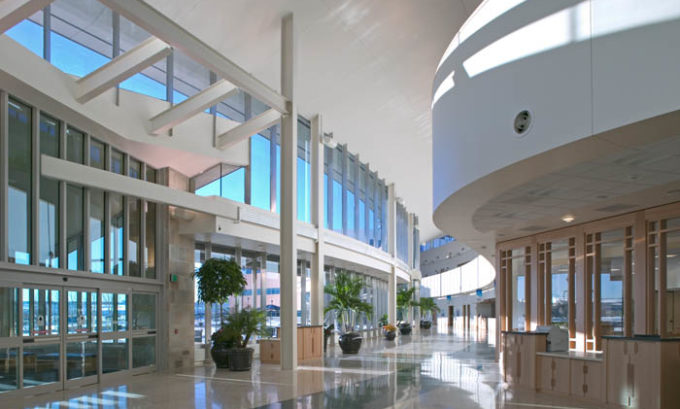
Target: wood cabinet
<point>586,379</point>
<point>642,372</point>
<point>519,357</point>
<point>309,346</point>
<point>554,374</point>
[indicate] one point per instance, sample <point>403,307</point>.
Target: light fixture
<point>568,218</point>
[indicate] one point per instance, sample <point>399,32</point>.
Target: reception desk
<point>309,346</point>
<point>631,372</point>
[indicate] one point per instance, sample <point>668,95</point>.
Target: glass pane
<point>19,191</point>
<point>559,261</point>
<point>74,145</point>
<point>114,355</point>
<point>97,231</point>
<point>82,312</point>
<point>81,359</point>
<point>9,313</point>
<point>97,152</point>
<point>81,37</point>
<point>143,311</point>
<point>518,293</point>
<point>260,167</point>
<point>134,215</point>
<point>134,169</point>
<point>114,312</point>
<point>143,351</point>
<point>41,364</point>
<point>150,245</point>
<point>117,162</point>
<point>151,174</point>
<point>673,282</point>
<point>116,239</point>
<point>29,33</point>
<point>74,227</point>
<point>40,312</point>
<point>49,197</point>
<point>611,287</point>
<point>9,369</point>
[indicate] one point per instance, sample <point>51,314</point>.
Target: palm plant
<point>346,301</point>
<point>240,326</point>
<point>428,305</point>
<point>405,300</point>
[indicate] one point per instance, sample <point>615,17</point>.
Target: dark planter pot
<point>240,359</point>
<point>350,343</point>
<point>425,324</point>
<point>220,356</point>
<point>405,329</point>
<point>390,335</point>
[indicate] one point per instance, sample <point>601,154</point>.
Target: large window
<point>670,242</point>
<point>518,269</point>
<point>20,173</point>
<point>560,271</point>
<point>49,196</point>
<point>260,171</point>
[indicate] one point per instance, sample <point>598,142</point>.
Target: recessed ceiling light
<point>568,218</point>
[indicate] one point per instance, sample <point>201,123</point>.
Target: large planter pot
<point>405,328</point>
<point>425,324</point>
<point>390,335</point>
<point>350,343</point>
<point>240,359</point>
<point>220,356</point>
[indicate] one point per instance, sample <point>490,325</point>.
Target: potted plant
<point>239,328</point>
<point>390,332</point>
<point>346,302</point>
<point>429,308</point>
<point>217,281</point>
<point>404,301</point>
<point>383,320</point>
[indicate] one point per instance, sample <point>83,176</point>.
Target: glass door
<point>41,332</point>
<point>10,338</point>
<point>81,340</point>
<point>115,332</point>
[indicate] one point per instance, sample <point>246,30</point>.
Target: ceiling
<point>365,65</point>
<point>631,179</point>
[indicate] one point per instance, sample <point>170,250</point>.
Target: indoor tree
<point>404,301</point>
<point>428,308</point>
<point>346,301</point>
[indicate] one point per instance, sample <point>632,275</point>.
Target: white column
<point>288,266</point>
<point>391,226</point>
<point>317,274</point>
<point>392,296</point>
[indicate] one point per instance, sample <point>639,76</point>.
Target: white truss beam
<point>151,20</point>
<point>249,128</point>
<point>13,12</point>
<point>121,68</point>
<point>198,103</point>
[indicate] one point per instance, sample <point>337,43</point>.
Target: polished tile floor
<point>430,370</point>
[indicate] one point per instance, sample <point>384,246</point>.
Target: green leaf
<point>218,280</point>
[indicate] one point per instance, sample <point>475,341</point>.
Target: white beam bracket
<point>181,112</point>
<point>13,12</point>
<point>121,68</point>
<point>249,128</point>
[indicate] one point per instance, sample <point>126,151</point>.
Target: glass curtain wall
<point>51,134</point>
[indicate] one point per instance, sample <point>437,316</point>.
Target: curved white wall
<point>477,274</point>
<point>580,67</point>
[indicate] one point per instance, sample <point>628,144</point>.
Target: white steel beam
<point>179,113</point>
<point>13,12</point>
<point>247,129</point>
<point>121,68</point>
<point>151,20</point>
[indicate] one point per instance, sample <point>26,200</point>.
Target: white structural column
<point>317,274</point>
<point>288,266</point>
<point>392,248</point>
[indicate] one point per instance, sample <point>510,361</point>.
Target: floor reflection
<point>436,369</point>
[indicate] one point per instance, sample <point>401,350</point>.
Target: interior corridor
<point>430,370</point>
